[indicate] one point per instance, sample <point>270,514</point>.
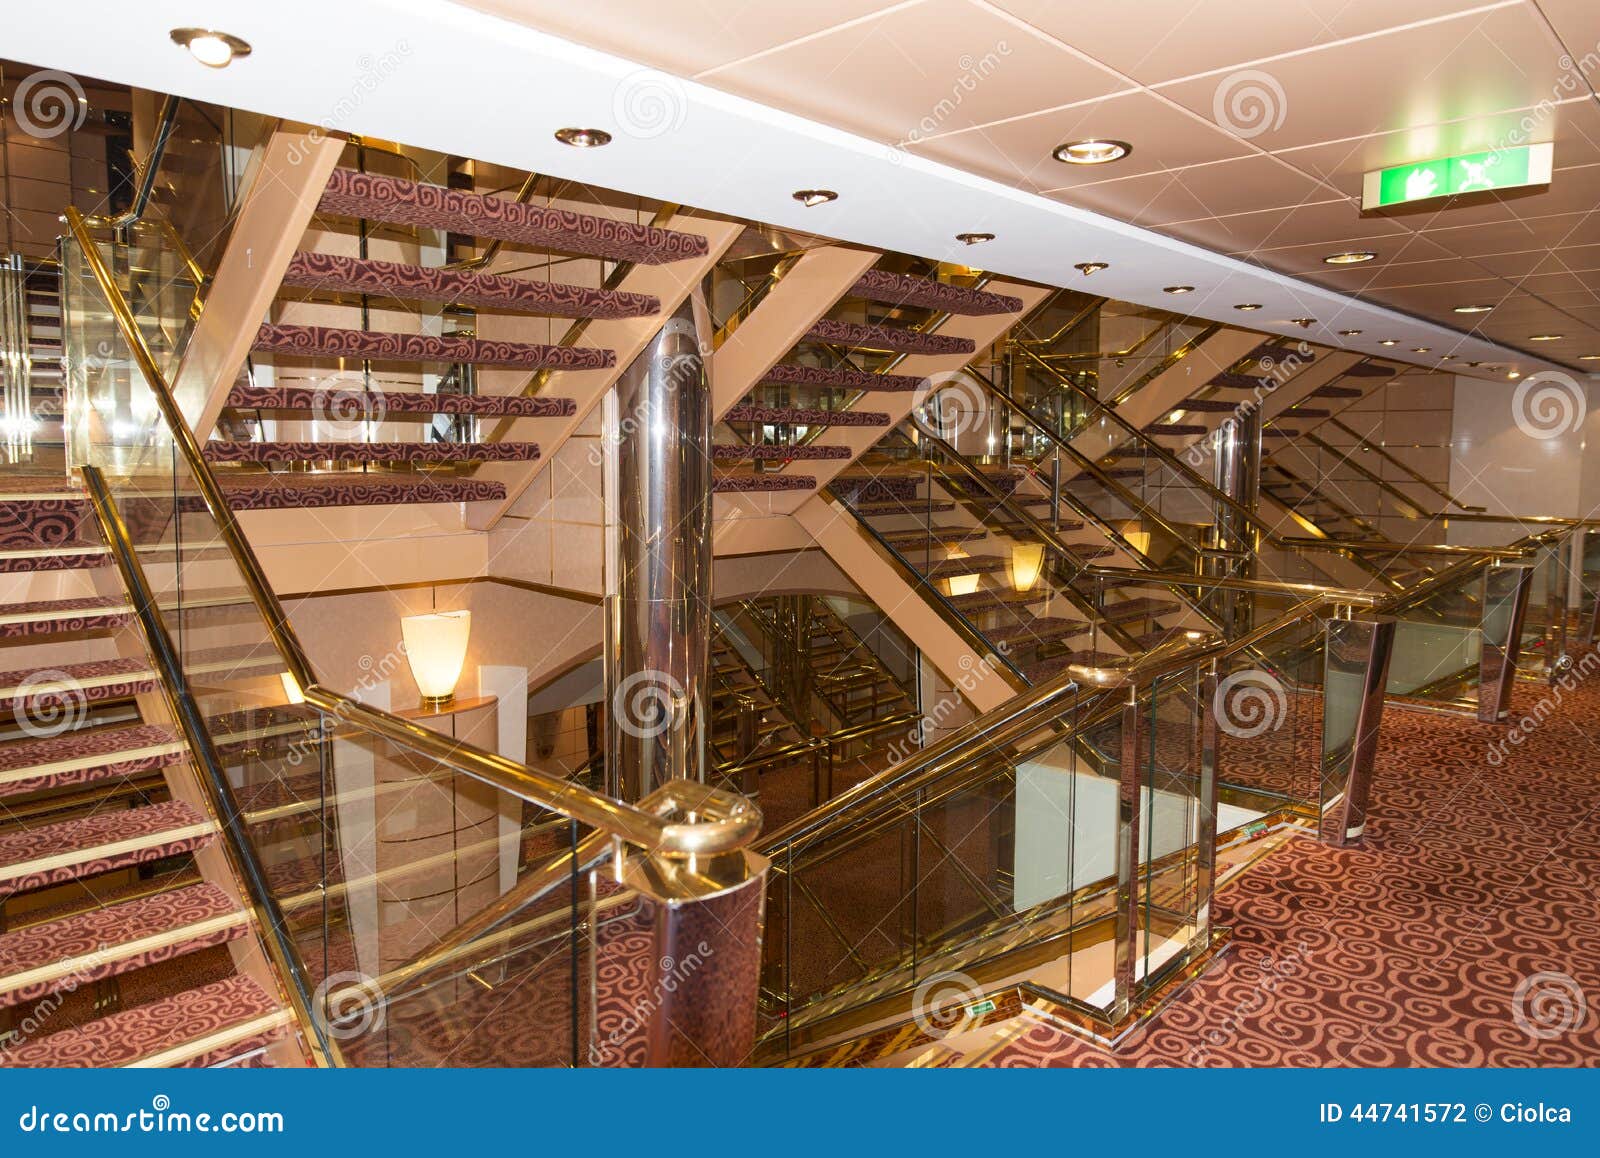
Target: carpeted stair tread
<point>894,338</point>
<point>1370,370</point>
<point>74,758</point>
<point>745,452</point>
<point>375,405</point>
<point>60,616</point>
<point>1207,406</point>
<point>72,555</point>
<point>381,346</point>
<point>967,565</point>
<point>1336,392</point>
<point>901,289</point>
<point>734,482</point>
<point>115,939</point>
<point>398,201</point>
<point>1186,429</point>
<point>40,690</point>
<point>978,601</point>
<point>260,491</point>
<point>913,506</point>
<point>1233,381</point>
<point>806,416</point>
<point>433,452</point>
<point>168,1031</point>
<point>332,273</point>
<point>1137,608</point>
<point>1038,629</point>
<point>53,853</point>
<point>1276,353</point>
<point>1308,412</point>
<point>936,536</point>
<point>840,378</point>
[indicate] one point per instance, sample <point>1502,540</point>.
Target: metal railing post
<point>1506,587</point>
<point>1355,675</point>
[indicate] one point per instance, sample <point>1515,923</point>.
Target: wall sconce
<point>436,647</point>
<point>961,584</point>
<point>1139,541</point>
<point>1027,561</point>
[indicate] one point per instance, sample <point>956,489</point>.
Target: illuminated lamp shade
<point>1139,541</point>
<point>962,584</point>
<point>436,647</point>
<point>1027,561</point>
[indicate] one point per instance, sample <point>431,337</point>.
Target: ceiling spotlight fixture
<point>1177,289</point>
<point>1447,357</point>
<point>974,238</point>
<point>1354,257</point>
<point>1473,309</point>
<point>1304,323</point>
<point>1420,349</point>
<point>583,138</point>
<point>1514,374</point>
<point>1093,152</point>
<point>1348,333</point>
<point>1088,267</point>
<point>813,197</point>
<point>1545,337</point>
<point>210,48</point>
<point>1389,342</point>
<point>1248,306</point>
<point>1589,357</point>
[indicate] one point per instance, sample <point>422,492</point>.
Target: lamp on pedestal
<point>436,647</point>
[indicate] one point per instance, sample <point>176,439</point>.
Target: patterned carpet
<point>1465,933</point>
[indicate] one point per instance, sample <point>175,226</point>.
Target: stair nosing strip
<point>177,1054</point>
<point>106,851</point>
<point>103,759</point>
<point>7,618</point>
<point>110,955</point>
<point>109,680</point>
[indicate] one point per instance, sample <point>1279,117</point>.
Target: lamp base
<point>434,703</point>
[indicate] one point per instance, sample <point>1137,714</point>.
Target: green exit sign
<point>1453,176</point>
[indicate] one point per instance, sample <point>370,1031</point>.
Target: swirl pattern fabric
<point>806,416</point>
<point>347,405</point>
<point>822,378</point>
<point>40,522</point>
<point>271,492</point>
<point>887,338</point>
<point>762,453</point>
<point>727,484</point>
<point>102,752</point>
<point>65,616</point>
<point>325,342</point>
<point>371,451</point>
<point>901,289</point>
<point>77,561</point>
<point>76,686</point>
<point>75,839</point>
<point>331,273</point>
<point>353,194</point>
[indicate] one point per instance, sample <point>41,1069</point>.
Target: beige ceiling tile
<point>1335,224</point>
<point>1471,66</point>
<point>1176,38</point>
<point>1306,260</point>
<point>1397,275</point>
<point>1246,185</point>
<point>1577,22</point>
<point>684,37</point>
<point>935,67</point>
<point>1573,257</point>
<point>1516,236</point>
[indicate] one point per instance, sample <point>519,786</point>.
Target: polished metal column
<point>1234,541</point>
<point>659,653</point>
<point>1355,675</point>
<point>1506,587</point>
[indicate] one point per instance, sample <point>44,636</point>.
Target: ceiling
<point>933,117</point>
<point>1252,121</point>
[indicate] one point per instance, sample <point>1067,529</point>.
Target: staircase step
<point>375,405</point>
<point>1336,392</point>
<point>192,1026</point>
<point>876,508</point>
<point>218,451</point>
<point>1036,630</point>
<point>1232,381</point>
<point>900,289</point>
<point>331,273</point>
<point>746,452</point>
<point>968,565</point>
<point>391,199</point>
<point>877,487</point>
<point>1137,608</point>
<point>802,416</point>
<point>834,378</point>
<point>893,338</point>
<point>981,601</point>
<point>117,939</point>
<point>1109,472</point>
<point>1279,432</point>
<point>1277,353</point>
<point>938,536</point>
<point>739,483</point>
<point>39,692</point>
<point>259,491</point>
<point>74,758</point>
<point>324,342</point>
<point>1370,370</point>
<point>42,512</point>
<point>61,616</point>
<point>70,556</point>
<point>1186,429</point>
<point>1207,406</point>
<point>54,853</point>
<point>1308,412</point>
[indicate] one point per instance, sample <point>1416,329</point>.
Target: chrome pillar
<point>1506,587</point>
<point>1556,558</point>
<point>1234,542</point>
<point>658,685</point>
<point>1355,674</point>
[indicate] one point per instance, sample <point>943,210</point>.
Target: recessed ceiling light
<point>1088,267</point>
<point>212,49</point>
<point>812,197</point>
<point>1420,349</point>
<point>1545,337</point>
<point>1589,357</point>
<point>583,138</point>
<point>1390,342</point>
<point>974,238</point>
<point>1447,357</point>
<point>1092,152</point>
<point>1514,374</point>
<point>1348,333</point>
<point>1473,309</point>
<point>1304,323</point>
<point>1248,306</point>
<point>1354,257</point>
<point>1177,289</point>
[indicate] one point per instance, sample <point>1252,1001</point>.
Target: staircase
<point>123,937</point>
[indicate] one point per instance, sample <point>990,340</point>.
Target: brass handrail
<point>1367,444</point>
<point>643,829</point>
<point>1234,583</point>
